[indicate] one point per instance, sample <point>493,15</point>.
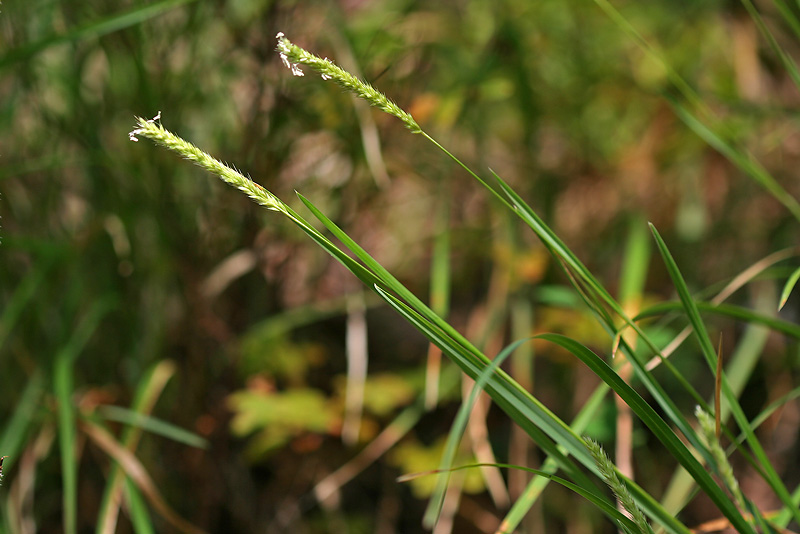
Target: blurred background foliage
<point>117,258</point>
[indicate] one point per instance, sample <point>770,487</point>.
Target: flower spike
<point>293,56</point>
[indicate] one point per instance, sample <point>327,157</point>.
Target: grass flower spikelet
<point>152,129</point>
<point>293,56</point>
<point>708,427</point>
<point>609,474</point>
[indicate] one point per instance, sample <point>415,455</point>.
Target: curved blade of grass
<point>63,386</point>
<point>787,289</point>
<point>657,425</point>
<point>457,432</point>
<point>153,424</point>
<point>707,348</point>
<point>91,29</point>
<point>136,471</point>
<point>150,388</point>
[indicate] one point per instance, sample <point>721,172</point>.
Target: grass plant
<point>558,439</point>
<point>174,358</point>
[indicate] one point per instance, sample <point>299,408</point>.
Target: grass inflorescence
<point>293,56</point>
<point>155,131</point>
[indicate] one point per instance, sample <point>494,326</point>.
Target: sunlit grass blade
<point>789,287</point>
<point>92,29</point>
<point>690,307</point>
<point>457,432</point>
<point>662,431</point>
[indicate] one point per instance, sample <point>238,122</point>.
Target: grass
<point>126,361</point>
<point>546,429</point>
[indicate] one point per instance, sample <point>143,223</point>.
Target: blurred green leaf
<point>277,417</point>
<point>152,424</point>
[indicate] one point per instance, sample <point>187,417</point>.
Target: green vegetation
<point>178,359</point>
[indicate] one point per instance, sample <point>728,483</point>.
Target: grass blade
<point>136,471</point>
<point>154,425</point>
<point>771,476</point>
<point>743,160</point>
<point>557,247</point>
<point>602,504</point>
<point>661,430</point>
<point>726,310</point>
<point>457,432</point>
<point>527,412</point>
<point>150,387</point>
<point>536,486</point>
<point>785,59</point>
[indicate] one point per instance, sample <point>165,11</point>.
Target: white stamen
<point>132,135</point>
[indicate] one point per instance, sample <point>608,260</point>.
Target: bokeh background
<point>118,260</point>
